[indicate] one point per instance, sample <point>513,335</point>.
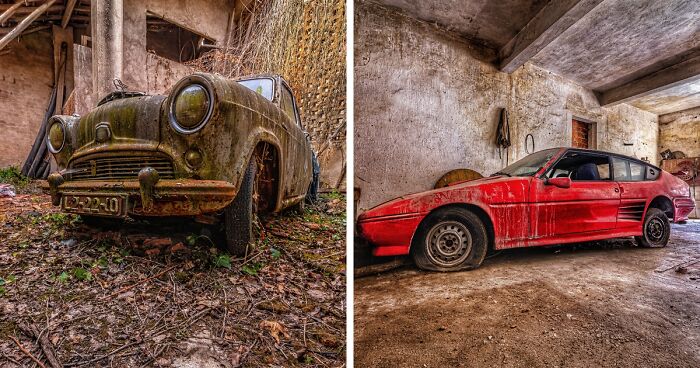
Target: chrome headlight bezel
<point>49,145</point>
<point>179,87</point>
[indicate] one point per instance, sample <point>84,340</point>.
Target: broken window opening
<point>170,41</point>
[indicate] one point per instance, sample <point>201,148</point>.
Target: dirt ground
<point>603,304</point>
<point>163,295</point>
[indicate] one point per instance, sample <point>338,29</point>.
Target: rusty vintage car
<point>214,146</point>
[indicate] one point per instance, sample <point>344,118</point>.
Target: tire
<point>312,192</point>
<point>655,231</point>
<point>442,229</point>
<point>238,216</point>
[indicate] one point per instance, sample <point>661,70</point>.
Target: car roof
<point>586,150</point>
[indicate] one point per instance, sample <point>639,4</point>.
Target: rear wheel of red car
<point>450,239</point>
<point>238,216</point>
<point>656,229</point>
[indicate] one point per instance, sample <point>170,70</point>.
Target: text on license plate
<point>95,204</point>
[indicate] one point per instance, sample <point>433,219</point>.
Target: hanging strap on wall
<point>503,134</point>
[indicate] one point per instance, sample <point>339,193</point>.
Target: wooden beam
<point>67,13</point>
<point>10,11</point>
<point>26,22</point>
<point>686,71</point>
<point>555,18</point>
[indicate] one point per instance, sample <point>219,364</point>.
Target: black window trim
<point>645,168</point>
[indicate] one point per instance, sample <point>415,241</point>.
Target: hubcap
<point>655,230</point>
<point>449,243</point>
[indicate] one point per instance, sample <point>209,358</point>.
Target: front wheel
<point>238,216</point>
<point>656,229</point>
<point>450,239</point>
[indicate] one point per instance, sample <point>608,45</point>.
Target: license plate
<point>95,204</point>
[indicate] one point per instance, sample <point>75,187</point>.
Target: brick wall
<point>26,80</point>
<point>580,133</point>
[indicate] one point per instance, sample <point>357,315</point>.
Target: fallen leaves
<point>275,329</point>
<point>97,292</point>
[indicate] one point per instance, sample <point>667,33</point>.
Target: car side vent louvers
<point>632,211</point>
<point>119,167</point>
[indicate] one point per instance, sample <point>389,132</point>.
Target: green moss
<point>12,175</point>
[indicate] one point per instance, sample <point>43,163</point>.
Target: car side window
<point>288,104</point>
<point>581,167</point>
<point>626,170</point>
<point>652,173</point>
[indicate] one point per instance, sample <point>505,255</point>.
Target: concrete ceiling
<point>487,22</point>
<point>681,97</point>
<point>642,52</point>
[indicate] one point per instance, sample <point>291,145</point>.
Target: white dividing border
<point>350,181</point>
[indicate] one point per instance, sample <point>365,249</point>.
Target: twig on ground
<point>46,346</point>
<point>127,288</point>
<point>26,352</point>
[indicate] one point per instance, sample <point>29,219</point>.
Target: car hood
<point>419,202</point>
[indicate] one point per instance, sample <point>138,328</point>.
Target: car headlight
<point>57,137</point>
<point>191,107</point>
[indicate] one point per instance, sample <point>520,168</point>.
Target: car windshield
<point>529,165</point>
<point>263,86</point>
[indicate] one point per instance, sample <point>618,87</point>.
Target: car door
<point>588,205</point>
<point>297,153</point>
<point>636,189</point>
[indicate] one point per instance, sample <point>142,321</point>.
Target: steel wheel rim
<point>655,230</point>
<point>448,243</point>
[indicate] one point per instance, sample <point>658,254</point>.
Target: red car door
<point>636,188</point>
<point>589,204</point>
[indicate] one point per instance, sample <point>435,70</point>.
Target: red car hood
<point>405,203</point>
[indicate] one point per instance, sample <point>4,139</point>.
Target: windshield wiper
<point>501,173</point>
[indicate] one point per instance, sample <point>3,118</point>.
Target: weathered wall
<point>161,75</point>
<point>26,80</point>
<point>208,18</point>
<point>680,132</point>
<point>425,104</point>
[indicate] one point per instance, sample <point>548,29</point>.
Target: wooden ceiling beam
<point>67,13</point>
<point>24,24</point>
<point>10,11</point>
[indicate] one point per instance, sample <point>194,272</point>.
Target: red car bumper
<point>391,235</point>
<point>682,207</point>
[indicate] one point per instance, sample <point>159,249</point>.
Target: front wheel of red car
<point>450,239</point>
<point>239,215</point>
<point>656,229</point>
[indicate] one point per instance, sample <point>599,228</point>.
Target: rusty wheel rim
<point>655,230</point>
<point>449,243</point>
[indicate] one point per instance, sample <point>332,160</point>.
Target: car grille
<point>120,167</point>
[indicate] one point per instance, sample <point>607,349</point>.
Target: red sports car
<point>554,196</point>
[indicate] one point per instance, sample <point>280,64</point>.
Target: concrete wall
<point>425,104</point>
<point>680,132</point>
<point>26,80</point>
<point>206,17</point>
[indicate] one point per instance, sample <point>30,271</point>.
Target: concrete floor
<point>601,304</point>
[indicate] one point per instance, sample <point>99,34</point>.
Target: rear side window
<point>652,173</point>
<point>288,104</point>
<point>625,170</point>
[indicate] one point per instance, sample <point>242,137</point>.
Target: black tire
<point>450,239</point>
<point>312,192</point>
<point>238,216</point>
<point>656,229</point>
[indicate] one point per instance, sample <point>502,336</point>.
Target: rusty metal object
<point>169,158</point>
<point>455,176</point>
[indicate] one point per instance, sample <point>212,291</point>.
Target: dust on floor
<point>606,304</point>
<point>163,295</point>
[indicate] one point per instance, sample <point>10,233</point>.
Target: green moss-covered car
<point>214,146</point>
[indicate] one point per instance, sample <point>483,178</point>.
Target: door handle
<point>617,190</point>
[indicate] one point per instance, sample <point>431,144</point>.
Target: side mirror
<point>558,182</point>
